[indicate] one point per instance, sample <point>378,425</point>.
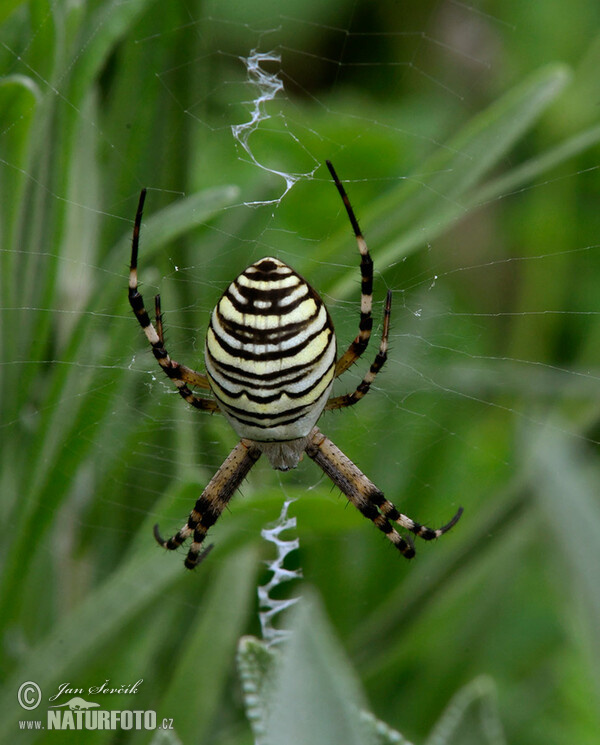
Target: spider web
<point>486,342</point>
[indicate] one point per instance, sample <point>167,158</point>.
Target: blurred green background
<point>467,135</point>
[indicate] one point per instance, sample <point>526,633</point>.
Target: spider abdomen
<point>270,353</point>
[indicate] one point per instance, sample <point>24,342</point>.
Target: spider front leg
<point>179,374</point>
<point>366,497</point>
<point>187,374</point>
<point>212,502</point>
<point>358,346</point>
<point>349,399</point>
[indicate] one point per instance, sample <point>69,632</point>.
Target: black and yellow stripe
<point>270,353</point>
<point>179,374</point>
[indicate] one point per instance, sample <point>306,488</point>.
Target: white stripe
<point>304,384</point>
<point>316,325</point>
<point>151,334</point>
<point>237,294</point>
<point>263,285</point>
<point>265,322</point>
<point>263,367</point>
<point>299,428</point>
<point>295,295</point>
<point>273,408</point>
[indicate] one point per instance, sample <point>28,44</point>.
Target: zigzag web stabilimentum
<point>268,85</point>
<point>269,607</point>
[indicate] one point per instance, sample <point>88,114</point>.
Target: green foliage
<point>480,210</point>
<point>308,693</point>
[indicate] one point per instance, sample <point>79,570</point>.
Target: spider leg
<point>349,399</point>
<point>186,373</point>
<point>158,318</point>
<point>179,374</point>
<point>366,496</point>
<point>358,346</point>
<point>212,502</point>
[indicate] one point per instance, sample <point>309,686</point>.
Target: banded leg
<point>366,497</point>
<point>349,399</point>
<point>212,502</point>
<point>187,374</point>
<point>358,346</point>
<point>179,374</point>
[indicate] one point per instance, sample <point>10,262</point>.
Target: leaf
<point>427,203</point>
<point>8,7</point>
<point>80,635</point>
<point>535,167</point>
<point>471,717</point>
<point>49,480</point>
<point>565,480</point>
<point>200,675</point>
<point>306,692</point>
<point>311,694</point>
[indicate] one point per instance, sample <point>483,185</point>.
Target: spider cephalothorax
<point>271,360</point>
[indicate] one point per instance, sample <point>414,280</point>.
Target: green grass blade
<point>79,637</point>
<point>565,481</point>
<point>168,224</point>
<point>213,638</point>
<point>8,7</point>
<point>19,99</point>
<point>57,449</point>
<point>536,167</point>
<point>97,38</point>
<point>471,717</point>
<point>313,696</point>
<point>425,205</point>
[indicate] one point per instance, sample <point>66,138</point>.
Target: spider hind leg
<point>421,531</point>
<point>195,555</point>
<point>175,541</point>
<point>212,502</point>
<point>366,497</point>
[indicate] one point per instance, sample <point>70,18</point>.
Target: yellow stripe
<point>304,357</point>
<point>274,407</point>
<point>319,322</point>
<point>271,321</point>
<point>262,285</point>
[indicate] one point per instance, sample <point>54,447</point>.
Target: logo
<point>80,714</point>
<point>29,695</point>
<point>77,704</point>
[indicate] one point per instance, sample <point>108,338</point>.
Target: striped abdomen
<point>270,353</point>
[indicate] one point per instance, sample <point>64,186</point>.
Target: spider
<point>270,358</point>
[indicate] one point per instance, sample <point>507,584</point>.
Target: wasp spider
<point>271,360</point>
